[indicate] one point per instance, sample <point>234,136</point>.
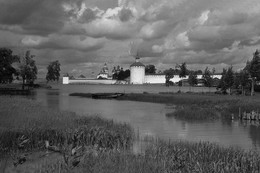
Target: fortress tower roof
<point>137,64</point>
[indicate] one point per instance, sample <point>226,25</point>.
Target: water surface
<point>149,118</point>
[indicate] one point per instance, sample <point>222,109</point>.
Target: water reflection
<point>149,119</point>
<point>254,130</point>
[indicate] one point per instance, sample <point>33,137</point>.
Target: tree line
<point>245,79</point>
<point>242,81</point>
<point>24,68</point>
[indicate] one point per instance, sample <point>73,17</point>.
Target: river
<point>149,118</point>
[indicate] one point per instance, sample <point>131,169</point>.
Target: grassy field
<point>101,145</point>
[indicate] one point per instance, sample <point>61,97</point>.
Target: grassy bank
<point>26,86</point>
<point>23,119</point>
<point>196,106</point>
<point>106,145</point>
<point>195,113</point>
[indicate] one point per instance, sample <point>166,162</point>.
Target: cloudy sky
<point>84,34</point>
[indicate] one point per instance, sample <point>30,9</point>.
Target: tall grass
<point>25,119</point>
<point>161,157</point>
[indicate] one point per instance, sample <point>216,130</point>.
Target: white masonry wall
<point>137,74</point>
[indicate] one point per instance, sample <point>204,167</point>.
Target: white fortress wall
<point>159,79</point>
<point>176,78</point>
<point>66,80</point>
<point>154,79</point>
<point>137,75</point>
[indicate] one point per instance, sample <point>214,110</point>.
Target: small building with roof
<point>104,74</point>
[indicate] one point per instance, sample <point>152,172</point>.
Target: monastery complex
<point>137,77</point>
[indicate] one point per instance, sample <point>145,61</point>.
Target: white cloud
<point>204,17</point>
<point>157,49</point>
<point>182,40</point>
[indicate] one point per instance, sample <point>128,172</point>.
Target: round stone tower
<point>137,72</point>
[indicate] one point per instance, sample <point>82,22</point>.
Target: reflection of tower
<point>137,71</point>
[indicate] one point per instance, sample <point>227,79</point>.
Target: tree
<point>192,79</point>
<point>253,68</point>
<point>53,71</point>
<point>28,69</point>
<point>227,80</point>
<point>7,71</point>
<point>122,75</point>
<point>222,85</point>
<point>230,78</point>
<point>207,78</point>
<point>168,75</point>
<point>241,80</point>
<point>150,69</point>
<point>183,70</point>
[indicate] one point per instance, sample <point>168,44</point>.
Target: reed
<point>24,122</point>
<point>160,157</point>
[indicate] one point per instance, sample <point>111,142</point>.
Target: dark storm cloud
<point>88,16</point>
<point>33,16</point>
<point>221,32</point>
<point>125,14</point>
<point>14,12</point>
<point>57,42</point>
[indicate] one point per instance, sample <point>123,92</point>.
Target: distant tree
<point>168,75</point>
<point>213,71</point>
<point>222,83</point>
<point>28,69</point>
<point>229,78</point>
<point>116,71</point>
<point>53,71</point>
<point>7,71</point>
<point>150,69</point>
<point>183,70</point>
<point>241,80</point>
<point>123,74</point>
<point>192,79</point>
<point>253,68</point>
<point>207,78</point>
<point>82,76</point>
<point>199,72</point>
